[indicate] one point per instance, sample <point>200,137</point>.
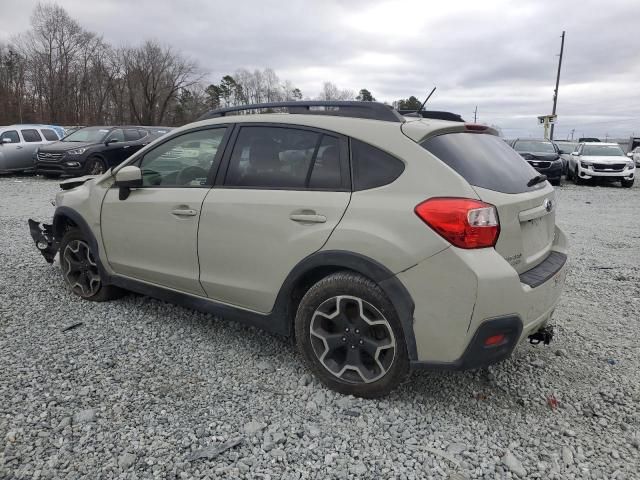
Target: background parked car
<point>18,144</point>
<point>601,160</point>
<point>93,150</point>
<point>565,148</point>
<point>635,156</point>
<point>541,155</point>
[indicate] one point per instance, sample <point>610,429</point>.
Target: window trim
<point>216,159</point>
<point>345,163</point>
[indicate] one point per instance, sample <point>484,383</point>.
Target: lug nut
<point>346,329</point>
<point>353,346</point>
<point>357,330</point>
<point>344,339</point>
<point>361,342</point>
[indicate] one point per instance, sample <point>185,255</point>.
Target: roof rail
<point>369,110</point>
<point>434,114</point>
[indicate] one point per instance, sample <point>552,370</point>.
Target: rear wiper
<point>535,180</point>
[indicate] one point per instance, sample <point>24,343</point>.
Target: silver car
<point>18,144</point>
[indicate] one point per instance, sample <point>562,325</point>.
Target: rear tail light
<point>464,222</point>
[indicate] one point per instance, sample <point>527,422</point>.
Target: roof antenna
<point>427,99</point>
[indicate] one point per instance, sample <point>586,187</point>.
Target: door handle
<point>307,216</point>
<point>186,212</point>
<point>18,147</point>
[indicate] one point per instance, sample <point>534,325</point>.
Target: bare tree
<point>330,91</point>
<point>154,77</point>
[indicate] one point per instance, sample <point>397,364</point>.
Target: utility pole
<point>475,115</point>
<point>572,132</point>
<point>555,92</point>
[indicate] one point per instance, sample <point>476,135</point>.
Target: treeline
<point>57,72</point>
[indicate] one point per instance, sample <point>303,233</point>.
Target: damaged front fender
<point>44,239</point>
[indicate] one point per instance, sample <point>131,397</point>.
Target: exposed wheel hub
<point>79,268</point>
<point>352,339</point>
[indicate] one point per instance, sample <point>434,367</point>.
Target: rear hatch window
<point>484,161</point>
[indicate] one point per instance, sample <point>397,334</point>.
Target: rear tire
<point>80,269</point>
<point>350,336</point>
<point>627,183</point>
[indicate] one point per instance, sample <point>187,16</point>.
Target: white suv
<point>601,160</point>
<point>380,243</point>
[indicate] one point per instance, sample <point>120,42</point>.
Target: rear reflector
<point>494,340</point>
<point>464,222</point>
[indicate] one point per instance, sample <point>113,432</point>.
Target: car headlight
<point>585,164</point>
<point>77,151</point>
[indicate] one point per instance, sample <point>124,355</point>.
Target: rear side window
<point>11,135</point>
<point>278,157</point>
<point>131,134</point>
<point>31,135</point>
<point>49,134</point>
<point>372,167</point>
<point>484,161</point>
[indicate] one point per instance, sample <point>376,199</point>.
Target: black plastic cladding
<point>369,110</point>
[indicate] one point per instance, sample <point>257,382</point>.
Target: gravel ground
<point>143,389</point>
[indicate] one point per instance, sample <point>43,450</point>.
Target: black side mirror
<point>110,141</point>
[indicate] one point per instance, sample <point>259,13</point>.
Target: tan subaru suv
<point>379,242</point>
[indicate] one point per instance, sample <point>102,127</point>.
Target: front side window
<point>11,135</point>
<point>183,161</point>
<point>50,135</point>
<point>31,135</point>
<point>116,135</point>
<point>280,157</point>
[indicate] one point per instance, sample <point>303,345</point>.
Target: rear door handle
<point>307,216</point>
<point>18,147</point>
<point>186,212</point>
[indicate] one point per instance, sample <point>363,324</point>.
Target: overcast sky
<point>499,55</point>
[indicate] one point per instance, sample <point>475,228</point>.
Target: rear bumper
<point>460,293</point>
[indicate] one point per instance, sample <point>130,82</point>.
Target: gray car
<point>18,144</point>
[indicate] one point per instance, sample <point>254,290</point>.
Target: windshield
<point>484,161</point>
<point>88,135</point>
<point>567,146</point>
<point>602,151</point>
<point>533,146</point>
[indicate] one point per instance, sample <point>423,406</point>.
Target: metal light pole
<point>555,93</point>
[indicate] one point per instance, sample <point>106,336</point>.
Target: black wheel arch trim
<point>59,219</point>
<point>341,259</point>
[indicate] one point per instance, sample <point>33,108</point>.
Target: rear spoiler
<point>433,114</point>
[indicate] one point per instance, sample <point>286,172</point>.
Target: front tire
<point>80,269</point>
<point>627,183</point>
<point>95,166</point>
<point>350,336</point>
<point>576,177</point>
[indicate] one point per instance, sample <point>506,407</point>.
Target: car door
<point>152,235</point>
<point>10,150</point>
<point>112,151</point>
<point>32,139</point>
<point>284,191</point>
